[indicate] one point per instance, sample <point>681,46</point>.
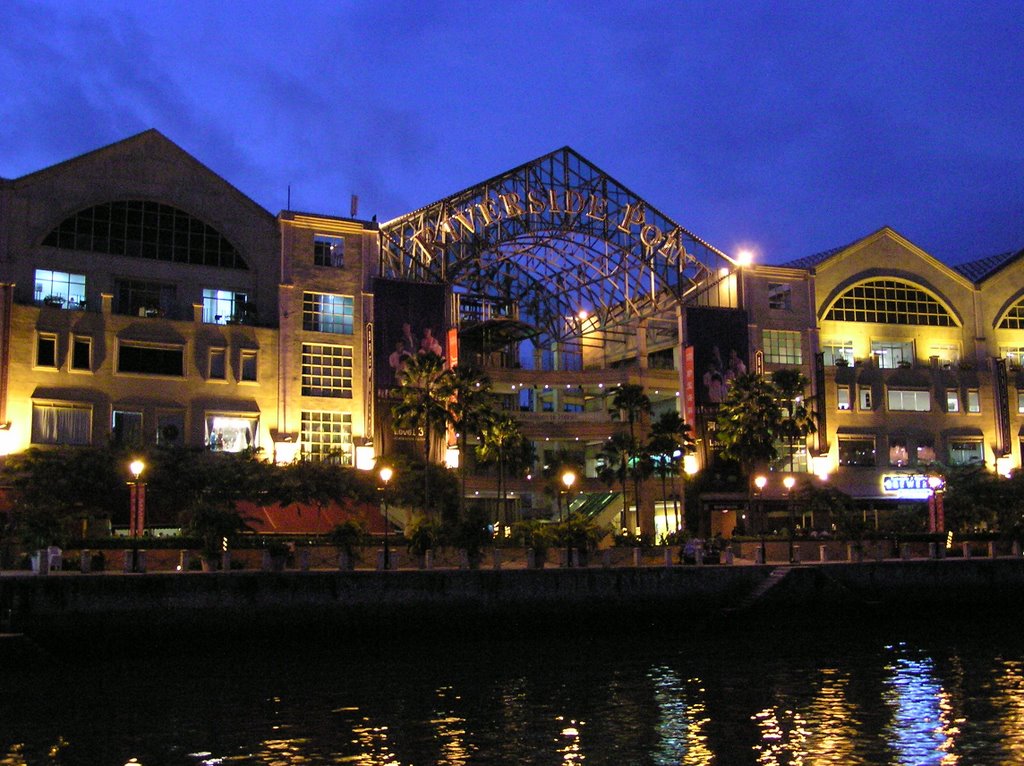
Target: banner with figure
<point>720,350</point>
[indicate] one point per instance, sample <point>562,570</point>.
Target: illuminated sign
<point>471,220</point>
<point>910,486</point>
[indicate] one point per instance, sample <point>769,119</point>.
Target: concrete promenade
<point>97,609</point>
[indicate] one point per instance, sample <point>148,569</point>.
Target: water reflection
<point>856,700</point>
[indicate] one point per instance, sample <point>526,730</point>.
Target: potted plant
<point>578,533</point>
<point>842,361</point>
<point>422,534</point>
<point>275,556</point>
<point>535,536</point>
<point>214,527</point>
<point>348,537</point>
<point>470,535</point>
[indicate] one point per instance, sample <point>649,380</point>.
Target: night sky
<point>786,128</point>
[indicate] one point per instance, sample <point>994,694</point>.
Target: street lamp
<point>136,508</point>
<point>760,482</point>
<point>788,483</point>
<point>936,510</point>
<point>385,476</point>
<point>568,479</point>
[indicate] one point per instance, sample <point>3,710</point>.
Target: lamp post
<point>788,483</point>
<point>568,479</point>
<point>385,476</point>
<point>760,482</point>
<point>136,508</point>
<point>936,511</point>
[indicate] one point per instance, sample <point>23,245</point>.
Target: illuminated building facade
<point>146,300</point>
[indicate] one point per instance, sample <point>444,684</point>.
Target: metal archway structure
<point>550,239</point>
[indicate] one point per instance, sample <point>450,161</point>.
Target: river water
<point>933,693</point>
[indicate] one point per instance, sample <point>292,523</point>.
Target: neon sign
<point>908,486</point>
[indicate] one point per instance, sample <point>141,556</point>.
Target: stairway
<point>772,580</point>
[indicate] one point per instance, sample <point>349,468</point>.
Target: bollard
<point>1016,548</point>
<point>933,550</point>
<point>668,557</point>
<point>991,549</point>
<point>496,557</point>
<point>822,553</point>
<point>304,559</point>
<point>184,560</point>
<point>905,551</point>
<point>140,561</point>
<point>428,558</point>
<point>965,548</point>
<point>563,558</point>
<point>85,562</point>
<point>606,558</point>
<point>345,562</point>
<point>698,555</point>
<point>127,561</point>
<point>728,556</point>
<point>637,557</point>
<point>796,554</point>
<point>380,561</point>
<point>225,561</point>
<point>531,559</point>
<point>758,555</point>
<point>266,561</point>
<point>43,556</point>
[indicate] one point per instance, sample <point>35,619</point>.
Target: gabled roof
<point>982,268</point>
<point>810,261</point>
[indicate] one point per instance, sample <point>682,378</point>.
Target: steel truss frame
<point>554,237</point>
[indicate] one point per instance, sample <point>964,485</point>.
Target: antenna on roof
<point>354,206</point>
<point>289,197</point>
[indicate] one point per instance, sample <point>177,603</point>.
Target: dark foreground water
<point>925,694</point>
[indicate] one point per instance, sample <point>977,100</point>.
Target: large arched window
<point>889,301</point>
<point>145,230</point>
<point>1013,319</point>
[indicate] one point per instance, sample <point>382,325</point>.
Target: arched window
<point>889,301</point>
<point>1013,319</point>
<point>145,230</point>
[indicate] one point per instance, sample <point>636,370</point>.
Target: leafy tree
<point>836,505</point>
<point>319,484</point>
<point>423,403</point>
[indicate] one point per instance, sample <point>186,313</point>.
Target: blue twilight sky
<point>787,127</point>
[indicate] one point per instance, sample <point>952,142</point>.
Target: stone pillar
<point>496,557</point>
<point>85,561</point>
<point>637,557</point>
<point>965,548</point>
<point>991,549</point>
<point>822,553</point>
<point>668,556</point>
<point>184,560</point>
<point>905,551</point>
<point>304,559</point>
<point>428,558</point>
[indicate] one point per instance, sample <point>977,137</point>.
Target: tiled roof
<point>981,268</point>
<point>810,261</point>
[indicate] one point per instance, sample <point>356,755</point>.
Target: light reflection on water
<point>861,700</point>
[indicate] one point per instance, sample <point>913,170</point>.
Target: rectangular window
<point>218,364</point>
<point>224,306</point>
<point>857,451</point>
<point>59,289</point>
<point>948,353</point>
<point>898,454</point>
<point>836,350</point>
<point>909,401</point>
<point>326,370</point>
<point>247,366</point>
<point>231,433</point>
<point>46,350</point>
<point>782,347</point>
<point>843,397</point>
<point>864,398</point>
<point>126,428</point>
<point>327,436</point>
<point>925,454</point>
<point>1014,355</point>
<point>61,424</point>
<point>1020,402</point>
<point>81,354</point>
<point>780,296</point>
<point>134,297</point>
<point>151,360</point>
<point>952,400</point>
<point>890,354</point>
<point>973,400</point>
<point>327,312</point>
<point>964,451</point>
<point>328,251</point>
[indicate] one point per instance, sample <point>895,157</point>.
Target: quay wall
<point>90,608</point>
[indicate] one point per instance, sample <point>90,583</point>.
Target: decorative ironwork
<point>553,238</point>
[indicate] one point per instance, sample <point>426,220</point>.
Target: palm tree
<point>633,406</point>
<point>423,403</point>
<point>670,439</point>
<point>799,419</point>
<point>748,424</point>
<point>503,443</point>
<point>468,393</point>
<point>615,456</point>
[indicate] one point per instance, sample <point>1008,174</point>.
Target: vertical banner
<point>408,320</point>
<point>690,388</point>
<point>719,339</point>
<point>1002,407</point>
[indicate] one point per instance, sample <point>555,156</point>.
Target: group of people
<point>719,375</point>
<point>407,346</point>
